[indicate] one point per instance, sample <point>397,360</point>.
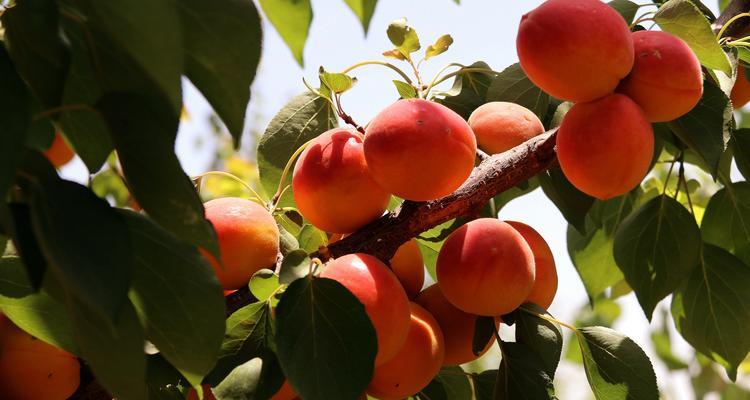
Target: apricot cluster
<point>583,51</point>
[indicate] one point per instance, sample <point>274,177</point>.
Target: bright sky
<point>482,30</point>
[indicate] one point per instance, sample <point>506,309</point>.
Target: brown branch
<point>738,28</point>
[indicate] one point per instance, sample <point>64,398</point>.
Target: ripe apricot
<point>605,146</point>
<point>666,80</point>
<point>32,369</point>
<point>575,50</point>
<point>741,90</point>
<point>457,326</point>
<point>59,152</point>
<point>486,268</point>
<point>385,301</point>
<point>333,187</point>
<point>285,392</point>
<point>501,126</point>
<point>419,150</point>
<point>408,266</point>
<point>545,277</point>
<point>248,239</point>
<point>415,364</point>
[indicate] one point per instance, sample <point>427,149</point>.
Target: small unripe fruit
<point>501,126</point>
<point>31,369</point>
<point>416,363</point>
<point>545,277</point>
<point>741,90</point>
<point>248,239</point>
<point>458,327</point>
<point>333,187</point>
<point>575,50</point>
<point>419,150</point>
<point>486,268</point>
<point>605,147</point>
<point>59,152</point>
<point>666,80</point>
<point>408,266</point>
<point>385,301</point>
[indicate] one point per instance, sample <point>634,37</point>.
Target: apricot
<point>415,364</point>
<point>575,50</point>
<point>285,392</point>
<point>457,326</point>
<point>741,90</point>
<point>408,266</point>
<point>545,277</point>
<point>59,152</point>
<point>605,146</point>
<point>248,239</point>
<point>333,187</point>
<point>486,268</point>
<point>208,394</point>
<point>32,369</point>
<point>385,301</point>
<point>501,126</point>
<point>419,150</point>
<point>666,80</point>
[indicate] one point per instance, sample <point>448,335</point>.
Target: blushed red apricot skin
<point>285,392</point>
<point>59,152</point>
<point>741,90</point>
<point>31,369</point>
<point>500,126</point>
<point>486,268</point>
<point>408,265</point>
<point>575,50</point>
<point>545,276</point>
<point>385,301</point>
<point>248,239</point>
<point>415,364</point>
<point>419,150</point>
<point>333,187</point>
<point>666,80</point>
<point>605,146</point>
<point>457,326</point>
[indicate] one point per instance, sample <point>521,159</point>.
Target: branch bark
<point>739,27</point>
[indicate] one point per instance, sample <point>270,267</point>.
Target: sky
<point>482,30</point>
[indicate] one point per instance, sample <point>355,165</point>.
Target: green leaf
<point>522,375</point>
<point>726,222</point>
<point>16,219</point>
<point>709,310</point>
<point>305,117</point>
<point>683,19</point>
<point>405,90</point>
<point>404,37</point>
<point>221,53</point>
<point>626,8</point>
<point>395,54</point>
<point>541,336</point>
<point>294,266</point>
<point>336,82</point>
<point>259,378</point>
<point>144,132</point>
<point>656,248</point>
<point>14,101</point>
<point>292,19</point>
<point>431,241</point>
<point>323,329</point>
<point>451,383</point>
<point>363,9</point>
<point>572,203</point>
<point>740,145</point>
<point>163,380</point>
<point>469,90</point>
<point>440,46</point>
<point>484,331</point>
<point>706,128</point>
<point>133,26</point>
<point>177,296</point>
<point>263,284</point>
<point>616,367</point>
<point>484,384</point>
<point>311,238</point>
<point>36,313</point>
<point>513,86</point>
<point>32,36</point>
<point>515,192</point>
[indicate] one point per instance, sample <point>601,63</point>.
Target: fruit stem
<point>730,22</point>
<point>669,174</point>
<point>285,173</point>
<point>463,70</point>
<point>346,117</point>
<point>549,319</point>
<point>67,107</point>
<point>420,86</point>
<point>383,63</point>
<point>643,18</point>
<point>256,197</point>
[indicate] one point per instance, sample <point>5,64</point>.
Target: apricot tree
<point>309,281</point>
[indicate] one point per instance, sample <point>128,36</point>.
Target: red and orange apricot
<point>408,265</point>
<point>575,50</point>
<point>500,126</point>
<point>285,392</point>
<point>666,80</point>
<point>59,152</point>
<point>248,239</point>
<point>457,326</point>
<point>333,187</point>
<point>545,277</point>
<point>486,268</point>
<point>385,301</point>
<point>419,150</point>
<point>605,146</point>
<point>415,364</point>
<point>741,89</point>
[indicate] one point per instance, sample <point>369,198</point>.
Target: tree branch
<point>737,28</point>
